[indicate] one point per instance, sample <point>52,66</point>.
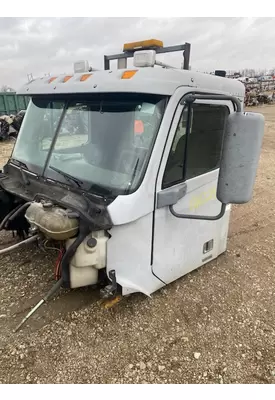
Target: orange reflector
<point>67,78</point>
<point>128,74</point>
<point>52,79</point>
<point>85,77</point>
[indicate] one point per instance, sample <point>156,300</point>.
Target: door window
<point>201,151</point>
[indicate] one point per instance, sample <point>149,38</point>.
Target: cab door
<point>189,169</point>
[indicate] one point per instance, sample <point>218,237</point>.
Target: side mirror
<point>240,157</point>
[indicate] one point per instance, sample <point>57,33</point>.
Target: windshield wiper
<point>101,192</point>
<point>21,165</point>
<point>133,176</point>
<point>69,177</point>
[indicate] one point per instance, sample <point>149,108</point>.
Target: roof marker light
<point>52,79</point>
<point>67,78</point>
<point>128,74</point>
<point>85,77</point>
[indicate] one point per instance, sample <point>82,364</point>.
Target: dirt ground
<point>215,325</point>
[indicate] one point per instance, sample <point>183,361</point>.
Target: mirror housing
<point>240,157</point>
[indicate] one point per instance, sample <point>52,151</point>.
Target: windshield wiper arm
<point>69,177</point>
<point>21,165</point>
<point>133,176</point>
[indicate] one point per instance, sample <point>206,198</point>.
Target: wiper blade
<point>100,190</point>
<point>21,165</point>
<point>133,176</point>
<point>69,177</point>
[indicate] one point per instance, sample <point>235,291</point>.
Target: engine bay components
<point>90,256</point>
<point>62,225</point>
<point>55,222</point>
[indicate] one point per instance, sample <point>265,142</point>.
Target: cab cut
<point>131,172</point>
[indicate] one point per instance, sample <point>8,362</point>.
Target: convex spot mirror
<point>240,157</point>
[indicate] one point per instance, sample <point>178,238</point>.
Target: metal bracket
<point>190,98</point>
<point>186,48</point>
<point>109,290</point>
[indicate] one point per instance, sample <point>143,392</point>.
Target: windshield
<point>103,141</point>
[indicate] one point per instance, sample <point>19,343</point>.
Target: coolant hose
<point>7,217</point>
<point>65,263</point>
<point>17,212</point>
<point>11,215</point>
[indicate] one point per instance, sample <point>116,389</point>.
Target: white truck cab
<point>133,170</point>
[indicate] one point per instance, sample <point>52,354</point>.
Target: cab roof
<point>156,80</point>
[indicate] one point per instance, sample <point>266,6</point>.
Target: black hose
<point>65,263</point>
<point>54,289</point>
<point>17,212</point>
<point>50,293</point>
<point>7,217</point>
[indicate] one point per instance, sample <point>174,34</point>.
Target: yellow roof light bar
<point>144,44</point>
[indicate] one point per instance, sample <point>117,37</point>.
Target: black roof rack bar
<point>186,48</point>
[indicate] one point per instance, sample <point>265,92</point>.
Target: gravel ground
<point>215,325</point>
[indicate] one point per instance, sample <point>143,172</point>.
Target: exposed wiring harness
<point>61,250</point>
<point>57,267</point>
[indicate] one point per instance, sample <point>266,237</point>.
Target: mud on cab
<point>131,170</point>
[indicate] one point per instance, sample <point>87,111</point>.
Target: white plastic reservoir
<point>89,257</point>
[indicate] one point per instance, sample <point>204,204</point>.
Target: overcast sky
<point>51,45</point>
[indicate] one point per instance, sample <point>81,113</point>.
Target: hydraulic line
<point>17,245</point>
<point>50,293</point>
